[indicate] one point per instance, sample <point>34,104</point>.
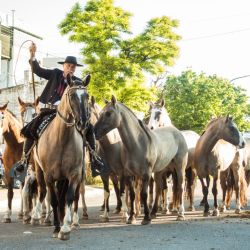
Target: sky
<point>215,33</point>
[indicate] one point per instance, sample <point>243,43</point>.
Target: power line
<point>216,35</point>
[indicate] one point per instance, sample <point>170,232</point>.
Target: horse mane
<point>15,124</point>
<point>141,123</point>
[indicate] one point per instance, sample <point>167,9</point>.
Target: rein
<point>74,123</point>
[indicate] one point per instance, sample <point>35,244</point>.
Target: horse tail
<point>230,187</point>
<point>62,187</point>
<point>189,184</point>
<point>176,195</point>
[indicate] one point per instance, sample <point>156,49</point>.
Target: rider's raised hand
<point>32,49</point>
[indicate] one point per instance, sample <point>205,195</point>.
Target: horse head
<point>109,119</point>
<point>2,127</point>
<point>158,115</point>
<point>28,110</point>
<point>74,108</point>
<point>231,133</point>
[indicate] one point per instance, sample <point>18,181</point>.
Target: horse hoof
<point>131,221</point>
<point>104,219</point>
<point>237,211</point>
<point>228,208</point>
<point>20,216</point>
<point>43,215</point>
<point>35,222</point>
<point>180,218</point>
<point>153,216</point>
<point>85,216</point>
<point>47,223</point>
<point>101,209</point>
<point>124,219</point>
<point>116,211</point>
<point>75,227</point>
<point>64,236</point>
<point>26,220</point>
<point>159,209</point>
<point>216,212</point>
<point>191,209</point>
<point>55,233</point>
<point>146,222</point>
<point>223,209</point>
<point>174,212</point>
<point>206,214</point>
<point>7,220</point>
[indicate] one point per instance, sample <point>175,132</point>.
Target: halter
<point>22,114</point>
<point>74,123</point>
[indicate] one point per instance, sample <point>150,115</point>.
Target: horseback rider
<point>51,96</point>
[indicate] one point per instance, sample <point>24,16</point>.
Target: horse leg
<point>7,216</point>
<point>25,200</point>
<point>84,206</point>
<point>46,203</point>
<point>137,197</point>
<point>215,194</point>
<point>105,216</point>
<point>144,195</point>
<point>237,188</point>
<point>165,208</point>
<point>129,182</point>
<point>64,233</point>
<point>158,188</point>
<point>180,173</point>
<point>37,210</point>
<point>175,201</point>
<point>75,221</point>
<point>123,199</point>
<point>205,194</point>
<point>190,176</point>
<point>223,183</point>
<point>21,212</point>
<point>115,182</point>
<point>151,191</point>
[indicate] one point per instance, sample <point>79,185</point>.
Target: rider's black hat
<point>72,60</point>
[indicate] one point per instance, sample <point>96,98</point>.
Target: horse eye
<point>108,114</point>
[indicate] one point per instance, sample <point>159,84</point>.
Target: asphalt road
<point>225,232</point>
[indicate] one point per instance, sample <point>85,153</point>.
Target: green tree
<point>115,58</point>
<point>192,100</point>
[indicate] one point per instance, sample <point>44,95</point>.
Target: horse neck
<point>166,119</point>
<point>130,130</point>
<point>208,140</point>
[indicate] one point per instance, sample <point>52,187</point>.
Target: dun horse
<point>214,152</point>
<point>59,156</point>
<point>145,151</point>
<point>159,118</point>
<point>109,148</point>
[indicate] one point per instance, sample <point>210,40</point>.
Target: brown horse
<point>145,151</point>
<point>13,151</point>
<point>59,155</point>
<point>214,152</point>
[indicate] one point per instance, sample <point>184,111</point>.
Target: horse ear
<point>4,106</point>
<point>86,80</point>
<point>113,100</point>
<point>106,101</point>
<point>21,102</point>
<point>92,100</point>
<point>151,104</point>
<point>162,103</point>
<point>229,118</point>
<point>37,101</point>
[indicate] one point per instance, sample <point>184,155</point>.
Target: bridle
<point>74,123</point>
